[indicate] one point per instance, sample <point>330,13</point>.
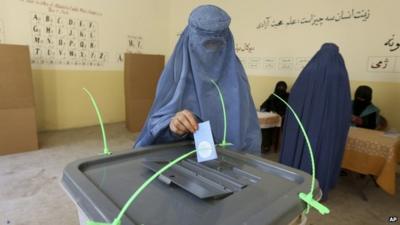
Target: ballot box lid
<point>236,188</point>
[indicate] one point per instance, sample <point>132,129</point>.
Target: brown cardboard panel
<point>18,131</point>
<point>16,88</point>
<point>139,109</point>
<point>141,76</point>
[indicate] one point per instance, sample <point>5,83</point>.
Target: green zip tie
<point>308,198</point>
<point>221,98</point>
<point>106,150</point>
<point>118,219</point>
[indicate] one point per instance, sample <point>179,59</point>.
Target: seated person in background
<point>270,136</point>
<point>273,104</point>
<point>186,95</point>
<point>365,114</point>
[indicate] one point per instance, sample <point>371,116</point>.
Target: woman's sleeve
<point>163,134</point>
<point>266,105</point>
<point>167,136</point>
<point>369,121</point>
<point>157,131</point>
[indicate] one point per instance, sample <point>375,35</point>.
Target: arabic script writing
<point>246,47</point>
<point>391,44</point>
<point>314,20</point>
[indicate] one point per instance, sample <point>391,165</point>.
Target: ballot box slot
<point>213,175</point>
<point>231,170</point>
<point>189,180</point>
<point>201,180</point>
<point>226,172</point>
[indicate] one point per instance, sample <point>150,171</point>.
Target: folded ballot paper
<point>204,142</point>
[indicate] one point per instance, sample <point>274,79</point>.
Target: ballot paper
<point>204,142</point>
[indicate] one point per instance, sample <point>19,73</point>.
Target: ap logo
<point>393,219</point>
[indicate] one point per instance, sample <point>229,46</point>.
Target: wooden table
<point>269,120</point>
<point>270,124</point>
<point>371,152</point>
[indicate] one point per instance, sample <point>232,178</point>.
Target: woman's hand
<point>357,120</point>
<point>183,122</point>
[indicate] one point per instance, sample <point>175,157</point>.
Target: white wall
<point>358,38</point>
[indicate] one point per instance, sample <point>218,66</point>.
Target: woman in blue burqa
<point>321,97</point>
<point>186,95</point>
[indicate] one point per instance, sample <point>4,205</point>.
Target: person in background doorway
<point>273,104</point>
<point>271,136</point>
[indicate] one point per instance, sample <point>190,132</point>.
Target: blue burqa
<point>204,52</point>
<point>321,98</point>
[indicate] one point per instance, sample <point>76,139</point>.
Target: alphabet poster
<point>88,35</point>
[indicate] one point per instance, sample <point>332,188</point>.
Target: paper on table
<point>392,133</point>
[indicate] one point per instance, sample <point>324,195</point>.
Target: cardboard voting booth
<point>18,131</point>
<point>141,73</point>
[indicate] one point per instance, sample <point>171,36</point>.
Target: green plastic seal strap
<point>106,150</point>
<point>221,98</point>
